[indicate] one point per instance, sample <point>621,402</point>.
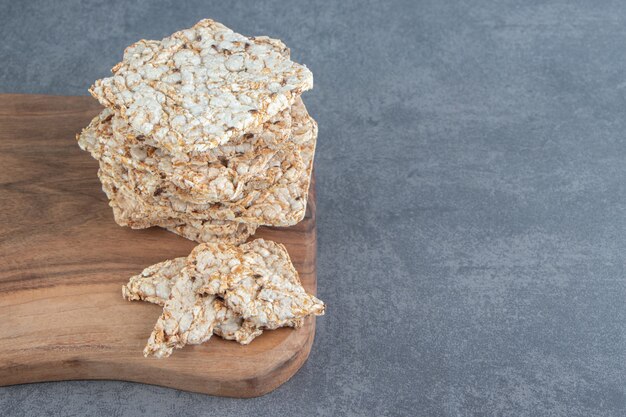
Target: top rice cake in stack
<point>204,134</point>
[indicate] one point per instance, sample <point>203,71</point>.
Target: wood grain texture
<point>64,261</point>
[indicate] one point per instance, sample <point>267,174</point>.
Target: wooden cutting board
<point>64,260</point>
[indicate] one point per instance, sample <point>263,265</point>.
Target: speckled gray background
<point>472,200</point>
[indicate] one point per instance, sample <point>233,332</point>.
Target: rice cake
<point>201,87</point>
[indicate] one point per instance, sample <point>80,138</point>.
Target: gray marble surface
<point>472,201</point>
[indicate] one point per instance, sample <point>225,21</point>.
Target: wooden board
<point>64,261</point>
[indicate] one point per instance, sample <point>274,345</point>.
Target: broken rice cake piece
<point>154,285</point>
<point>235,292</point>
<point>256,280</point>
<point>186,319</point>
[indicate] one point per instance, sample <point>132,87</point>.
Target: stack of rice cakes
<point>204,134</point>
